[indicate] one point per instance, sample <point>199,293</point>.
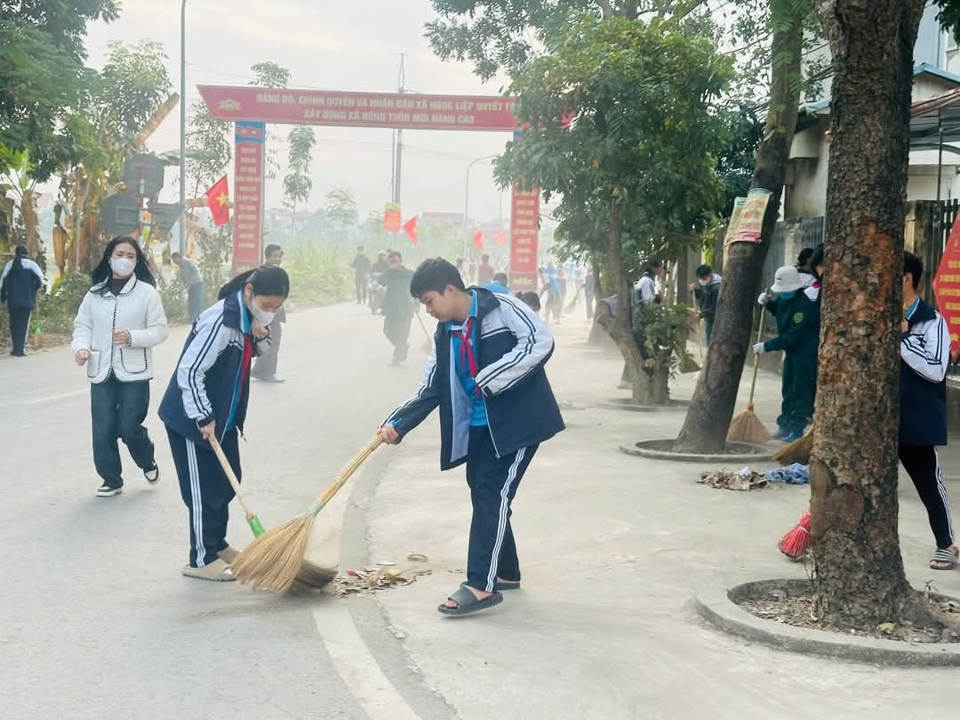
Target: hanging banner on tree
<point>734,223</point>
<point>946,285</point>
<point>749,224</point>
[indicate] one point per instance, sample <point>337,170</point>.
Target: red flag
<point>410,227</point>
<point>478,240</point>
<point>501,237</point>
<point>218,200</point>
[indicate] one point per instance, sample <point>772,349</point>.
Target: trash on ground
<point>795,474</point>
<point>745,479</point>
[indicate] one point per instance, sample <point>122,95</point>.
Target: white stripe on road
<point>357,668</point>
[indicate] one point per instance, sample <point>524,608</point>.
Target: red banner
<point>524,238</point>
<point>946,285</point>
<point>352,109</point>
<point>248,194</point>
<point>391,217</point>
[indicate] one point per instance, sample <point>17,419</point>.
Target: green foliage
<point>56,311</point>
<point>216,251</point>
<point>297,184</point>
<point>44,79</point>
<point>174,298</point>
<point>661,332</point>
<point>643,134</point>
<point>736,160</point>
<point>270,74</point>
<point>133,84</point>
<point>209,146</point>
<point>317,276</point>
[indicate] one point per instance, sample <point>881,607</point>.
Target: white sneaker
<point>152,475</point>
<point>109,490</point>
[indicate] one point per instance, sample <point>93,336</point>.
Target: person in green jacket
<point>798,335</point>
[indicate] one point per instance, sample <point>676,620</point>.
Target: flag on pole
<point>410,227</point>
<point>478,240</point>
<point>218,200</point>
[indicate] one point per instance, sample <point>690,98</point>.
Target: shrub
<point>317,276</point>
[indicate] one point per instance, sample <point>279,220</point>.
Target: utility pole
<point>398,155</point>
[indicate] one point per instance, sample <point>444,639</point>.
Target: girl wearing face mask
<point>120,319</point>
<point>207,398</point>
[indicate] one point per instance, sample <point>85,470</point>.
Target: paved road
<point>97,621</point>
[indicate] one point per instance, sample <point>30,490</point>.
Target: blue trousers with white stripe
<point>205,491</point>
<point>493,484</point>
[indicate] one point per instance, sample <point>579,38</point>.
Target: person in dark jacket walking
<point>361,274</point>
<point>798,335</point>
<point>397,306</point>
<point>486,374</point>
<point>707,293</point>
<point>207,398</point>
<point>19,283</point>
<point>924,356</point>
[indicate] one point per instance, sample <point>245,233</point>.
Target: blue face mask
<point>786,295</point>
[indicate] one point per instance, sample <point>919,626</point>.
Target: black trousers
<point>923,466</point>
<point>361,287</point>
<point>118,410</point>
<point>19,325</point>
<point>397,330</point>
<point>493,484</point>
<point>205,491</point>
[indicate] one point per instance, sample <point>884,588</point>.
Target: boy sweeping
<point>486,372</point>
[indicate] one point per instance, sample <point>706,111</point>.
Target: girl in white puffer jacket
<point>120,319</point>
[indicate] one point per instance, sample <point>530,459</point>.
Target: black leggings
<point>923,466</point>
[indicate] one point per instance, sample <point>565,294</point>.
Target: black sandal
<point>468,603</point>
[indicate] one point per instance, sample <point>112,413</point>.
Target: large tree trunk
<point>619,326</point>
<point>715,397</point>
<point>859,571</point>
<point>31,223</point>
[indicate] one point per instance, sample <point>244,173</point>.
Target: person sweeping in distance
<point>207,398</point>
<point>486,374</point>
<point>798,335</point>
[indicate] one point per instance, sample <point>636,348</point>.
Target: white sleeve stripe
<point>197,395</point>
<point>525,351</point>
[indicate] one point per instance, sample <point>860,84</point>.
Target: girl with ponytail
<point>206,401</point>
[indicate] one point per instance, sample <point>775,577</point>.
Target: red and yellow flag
<point>218,200</point>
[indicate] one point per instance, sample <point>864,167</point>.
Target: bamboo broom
<point>311,576</point>
<point>275,560</point>
<point>747,427</point>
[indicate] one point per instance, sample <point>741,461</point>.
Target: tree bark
<point>619,326</point>
<point>714,399</point>
<point>31,223</point>
<point>859,572</point>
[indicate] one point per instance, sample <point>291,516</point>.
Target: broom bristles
<point>796,452</point>
<point>275,559</point>
<point>796,542</point>
<point>747,427</point>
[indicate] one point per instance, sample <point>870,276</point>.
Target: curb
<point>626,404</point>
<point>638,450</point>
<point>716,607</point>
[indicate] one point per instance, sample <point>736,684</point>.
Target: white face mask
<point>264,317</point>
<point>122,267</point>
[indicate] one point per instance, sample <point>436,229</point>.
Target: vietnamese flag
<point>218,200</point>
<point>478,240</point>
<point>410,227</point>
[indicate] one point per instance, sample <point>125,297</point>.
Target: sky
<point>329,45</point>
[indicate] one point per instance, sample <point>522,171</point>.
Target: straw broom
<point>275,560</point>
<point>796,452</point>
<point>313,576</point>
<point>746,427</point>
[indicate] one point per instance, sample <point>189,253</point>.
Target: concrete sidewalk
<point>613,548</point>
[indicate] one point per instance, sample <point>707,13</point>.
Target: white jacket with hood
<point>139,310</point>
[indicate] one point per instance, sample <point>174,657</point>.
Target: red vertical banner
<point>248,194</point>
<point>524,237</point>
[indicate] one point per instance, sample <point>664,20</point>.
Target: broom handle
<point>756,356</point>
<point>325,497</point>
<point>228,471</point>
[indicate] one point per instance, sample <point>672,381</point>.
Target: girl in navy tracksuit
<point>207,397</point>
<point>496,407</point>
